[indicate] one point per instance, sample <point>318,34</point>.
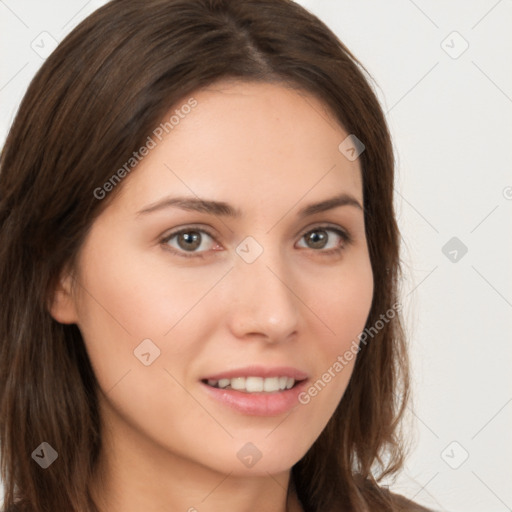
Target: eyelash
<point>344,235</point>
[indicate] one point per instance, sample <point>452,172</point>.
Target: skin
<point>269,151</point>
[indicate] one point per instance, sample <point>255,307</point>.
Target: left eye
<point>190,239</point>
<point>319,237</point>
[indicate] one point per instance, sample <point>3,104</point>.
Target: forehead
<point>246,140</point>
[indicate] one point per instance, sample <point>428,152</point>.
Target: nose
<point>264,304</point>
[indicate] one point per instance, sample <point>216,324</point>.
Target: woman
<point>199,268</point>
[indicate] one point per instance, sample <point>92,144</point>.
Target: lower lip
<point>258,404</point>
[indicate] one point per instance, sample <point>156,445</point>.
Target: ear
<point>62,304</point>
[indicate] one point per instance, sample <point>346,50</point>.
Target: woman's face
<point>268,298</point>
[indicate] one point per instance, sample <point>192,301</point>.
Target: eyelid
<point>345,233</point>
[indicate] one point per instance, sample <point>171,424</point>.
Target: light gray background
<point>450,114</point>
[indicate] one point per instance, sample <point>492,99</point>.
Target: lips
<point>257,390</point>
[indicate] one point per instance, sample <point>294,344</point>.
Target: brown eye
<point>185,242</point>
<point>326,239</point>
<point>317,238</point>
<point>189,240</point>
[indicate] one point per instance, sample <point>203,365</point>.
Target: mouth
<point>257,390</point>
<point>254,384</point>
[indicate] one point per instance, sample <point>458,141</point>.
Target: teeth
<point>224,382</point>
<point>271,384</point>
<point>254,384</point>
<point>238,383</point>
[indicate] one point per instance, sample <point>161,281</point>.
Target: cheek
<point>138,293</point>
<point>343,306</point>
<point>344,302</point>
<point>127,301</point>
<point>128,297</point>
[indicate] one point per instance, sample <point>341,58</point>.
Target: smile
<point>254,384</point>
<point>257,390</point>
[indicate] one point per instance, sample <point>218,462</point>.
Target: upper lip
<point>259,371</point>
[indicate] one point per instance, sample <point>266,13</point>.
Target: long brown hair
<point>91,105</point>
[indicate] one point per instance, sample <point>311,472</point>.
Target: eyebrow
<point>226,210</point>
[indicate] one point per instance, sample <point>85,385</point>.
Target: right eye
<point>188,240</point>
